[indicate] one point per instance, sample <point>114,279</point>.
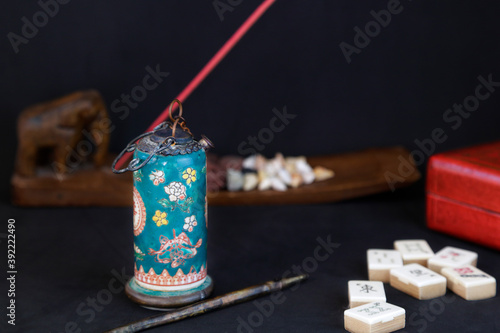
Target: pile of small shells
<point>257,172</point>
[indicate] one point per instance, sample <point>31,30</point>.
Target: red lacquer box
<point>463,193</point>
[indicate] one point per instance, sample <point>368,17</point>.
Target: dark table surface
<point>70,262</point>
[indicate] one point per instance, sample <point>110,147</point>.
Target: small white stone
<point>250,181</point>
<point>265,184</point>
<point>260,162</point>
<point>322,173</point>
<point>262,175</point>
<point>277,184</point>
<point>291,163</point>
<point>305,171</point>
<point>290,168</point>
<point>285,176</point>
<point>277,163</point>
<point>308,177</point>
<point>271,168</point>
<point>234,180</point>
<point>249,162</point>
<point>280,159</point>
<point>296,180</point>
<point>303,166</point>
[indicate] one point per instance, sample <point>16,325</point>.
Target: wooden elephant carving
<point>64,132</point>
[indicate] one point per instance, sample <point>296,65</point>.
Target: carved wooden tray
<point>356,174</point>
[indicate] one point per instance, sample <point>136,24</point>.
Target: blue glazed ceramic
<point>170,221</point>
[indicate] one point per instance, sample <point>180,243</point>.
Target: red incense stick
<point>195,82</point>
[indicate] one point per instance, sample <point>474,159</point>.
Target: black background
<point>395,91</point>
